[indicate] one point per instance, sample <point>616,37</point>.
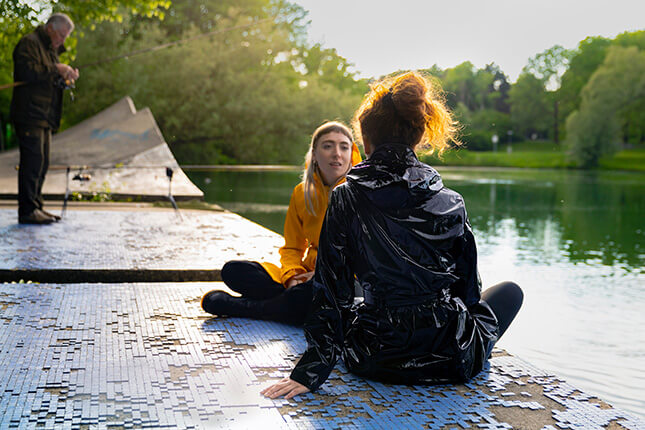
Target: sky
<point>380,37</point>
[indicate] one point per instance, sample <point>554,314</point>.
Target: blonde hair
<point>311,167</point>
<point>406,109</point>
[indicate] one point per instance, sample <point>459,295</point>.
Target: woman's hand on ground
<point>287,387</point>
<point>299,279</point>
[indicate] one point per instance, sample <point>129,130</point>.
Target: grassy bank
<point>536,155</point>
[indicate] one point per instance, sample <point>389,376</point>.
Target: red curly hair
<point>406,109</point>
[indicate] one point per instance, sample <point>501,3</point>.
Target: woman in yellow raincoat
<point>285,293</point>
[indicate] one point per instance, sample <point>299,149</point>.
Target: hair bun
<point>409,97</point>
<point>407,108</point>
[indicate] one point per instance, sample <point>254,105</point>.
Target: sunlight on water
<point>574,242</point>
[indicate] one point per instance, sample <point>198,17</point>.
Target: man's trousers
<point>34,162</point>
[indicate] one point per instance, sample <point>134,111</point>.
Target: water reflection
<point>260,196</point>
<point>596,218</point>
<point>581,321</point>
<point>574,241</point>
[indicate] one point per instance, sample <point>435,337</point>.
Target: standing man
<point>36,108</point>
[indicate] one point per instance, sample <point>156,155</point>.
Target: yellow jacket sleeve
<point>301,230</point>
<point>295,241</point>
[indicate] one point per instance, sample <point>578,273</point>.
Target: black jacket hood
<point>409,191</point>
<point>395,163</point>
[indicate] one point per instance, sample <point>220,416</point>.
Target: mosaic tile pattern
<point>134,240</point>
<point>146,356</point>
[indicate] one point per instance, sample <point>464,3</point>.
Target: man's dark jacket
<point>38,102</point>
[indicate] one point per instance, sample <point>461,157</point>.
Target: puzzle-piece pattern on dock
<point>146,355</point>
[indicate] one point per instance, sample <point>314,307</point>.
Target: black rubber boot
<point>290,307</point>
<point>223,304</point>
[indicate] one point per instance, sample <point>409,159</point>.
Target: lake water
<point>574,241</point>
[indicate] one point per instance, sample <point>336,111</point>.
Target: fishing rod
<point>150,49</point>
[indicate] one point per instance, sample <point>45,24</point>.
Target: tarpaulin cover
<point>405,238</point>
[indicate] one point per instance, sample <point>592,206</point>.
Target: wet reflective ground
<point>132,240</point>
<point>574,241</point>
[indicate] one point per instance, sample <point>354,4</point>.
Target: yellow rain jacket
<point>302,229</point>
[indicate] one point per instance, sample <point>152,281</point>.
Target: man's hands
<point>299,279</point>
<point>286,387</point>
<point>68,73</point>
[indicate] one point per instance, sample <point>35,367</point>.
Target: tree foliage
<point>19,17</point>
<point>587,58</point>
<point>617,86</point>
<point>530,106</point>
<point>479,99</point>
<point>252,95</point>
<point>549,65</point>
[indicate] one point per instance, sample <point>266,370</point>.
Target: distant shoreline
<point>629,160</point>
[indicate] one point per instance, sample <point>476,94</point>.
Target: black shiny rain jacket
<point>405,238</point>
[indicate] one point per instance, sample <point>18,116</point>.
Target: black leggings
<point>268,300</point>
<point>265,298</point>
<point>505,299</point>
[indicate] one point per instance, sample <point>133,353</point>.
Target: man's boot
<point>56,217</point>
<point>36,217</point>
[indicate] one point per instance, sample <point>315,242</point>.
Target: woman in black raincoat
<point>406,239</point>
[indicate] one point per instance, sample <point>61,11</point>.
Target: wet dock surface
<point>122,244</point>
<point>144,355</point>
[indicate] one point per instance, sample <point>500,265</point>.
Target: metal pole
<point>62,212</point>
<point>169,173</point>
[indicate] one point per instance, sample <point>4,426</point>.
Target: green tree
<point>244,95</point>
<point>632,122</point>
<point>498,90</point>
<point>587,58</point>
<point>325,65</point>
<point>482,125</point>
<point>470,86</point>
<point>589,55</point>
<point>631,38</point>
<point>618,84</point>
<point>458,83</point>
<point>530,106</point>
<point>19,17</point>
<point>549,65</point>
<point>479,99</point>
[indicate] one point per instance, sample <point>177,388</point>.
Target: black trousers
<point>34,161</point>
<point>505,299</point>
<point>262,297</point>
<point>269,300</point>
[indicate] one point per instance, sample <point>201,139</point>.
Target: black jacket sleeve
<point>468,289</point>
<point>29,66</point>
<point>333,285</point>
